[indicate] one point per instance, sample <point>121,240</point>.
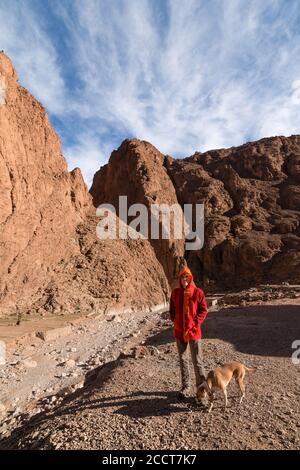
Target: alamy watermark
<point>160,221</point>
<point>296,353</point>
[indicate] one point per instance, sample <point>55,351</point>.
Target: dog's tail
<point>250,369</point>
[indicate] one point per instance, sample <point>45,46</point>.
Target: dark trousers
<point>197,359</point>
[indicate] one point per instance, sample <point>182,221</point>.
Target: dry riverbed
<point>126,395</point>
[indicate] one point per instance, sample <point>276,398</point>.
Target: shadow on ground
<point>263,330</point>
<point>138,404</point>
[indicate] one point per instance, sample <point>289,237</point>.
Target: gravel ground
<point>130,403</point>
<point>38,374</point>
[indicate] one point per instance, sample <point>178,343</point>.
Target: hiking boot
<point>183,394</point>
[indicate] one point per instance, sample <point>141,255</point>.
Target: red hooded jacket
<point>197,311</point>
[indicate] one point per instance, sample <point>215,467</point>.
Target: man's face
<point>184,279</point>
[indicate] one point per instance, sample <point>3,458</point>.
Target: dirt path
<point>38,373</point>
<point>130,403</point>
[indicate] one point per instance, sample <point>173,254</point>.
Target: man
<point>188,310</point>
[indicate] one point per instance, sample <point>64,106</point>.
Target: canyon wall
<point>251,196</point>
<point>53,262</point>
<point>51,259</point>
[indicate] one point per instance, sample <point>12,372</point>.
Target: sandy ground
<point>38,373</point>
<point>131,403</point>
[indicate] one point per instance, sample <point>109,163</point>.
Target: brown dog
<point>219,378</point>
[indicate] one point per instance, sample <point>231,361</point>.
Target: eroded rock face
<point>137,170</point>
<point>253,235</point>
<point>51,259</point>
<point>252,205</point>
<point>41,201</point>
<point>104,275</point>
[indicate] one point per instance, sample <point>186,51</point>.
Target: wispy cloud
<point>33,53</point>
<point>87,153</point>
<point>185,75</point>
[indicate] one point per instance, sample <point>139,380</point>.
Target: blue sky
<point>185,75</point>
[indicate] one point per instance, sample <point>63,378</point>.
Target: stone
<point>140,351</point>
<point>29,363</point>
<point>70,363</point>
<point>55,333</point>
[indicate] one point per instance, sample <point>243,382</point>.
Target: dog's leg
<point>211,402</point>
<point>241,385</point>
<point>226,399</point>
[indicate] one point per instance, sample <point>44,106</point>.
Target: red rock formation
<point>252,207</point>
<point>252,199</point>
<point>137,170</point>
<point>51,259</point>
<point>40,200</point>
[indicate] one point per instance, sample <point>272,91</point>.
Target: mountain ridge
<point>51,259</point>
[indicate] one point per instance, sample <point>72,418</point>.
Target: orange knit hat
<point>185,270</point>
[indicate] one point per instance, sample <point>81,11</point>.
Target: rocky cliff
<point>51,259</point>
<point>137,170</point>
<point>251,195</point>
